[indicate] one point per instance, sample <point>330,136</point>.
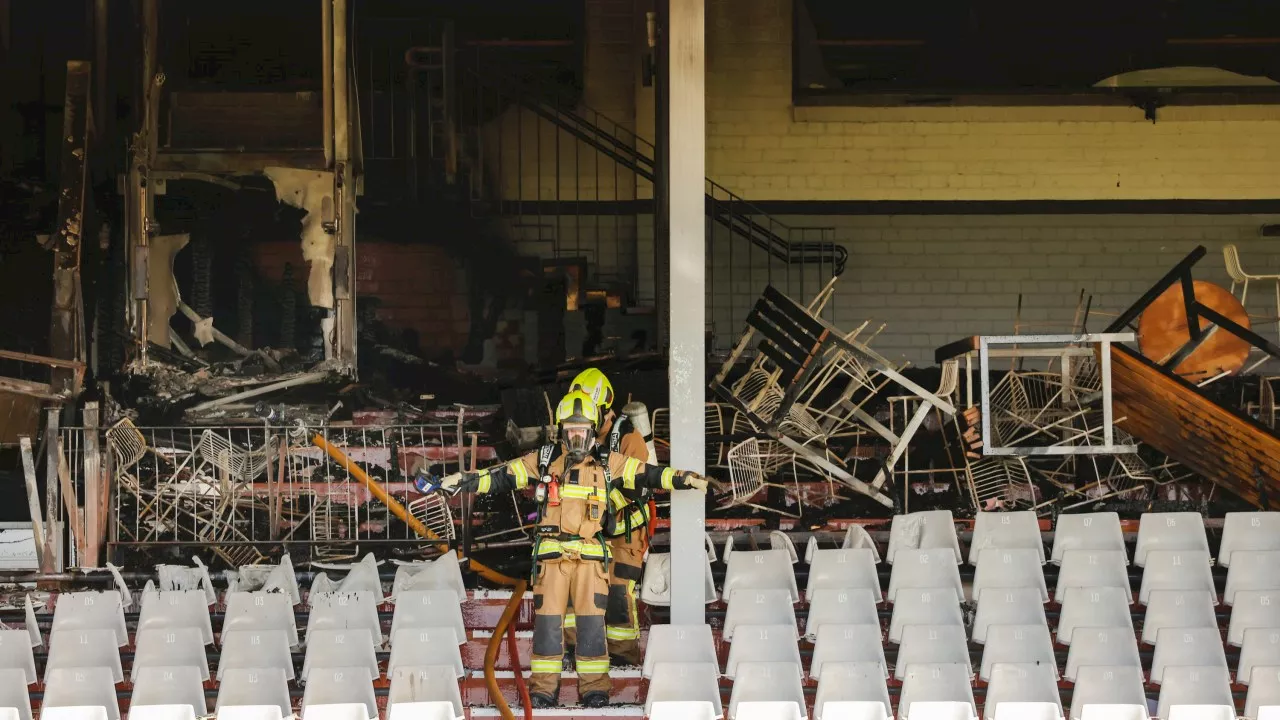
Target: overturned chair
<point>808,392</point>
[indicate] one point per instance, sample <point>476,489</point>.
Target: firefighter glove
<point>694,481</point>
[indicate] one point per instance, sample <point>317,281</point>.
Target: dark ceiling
<point>1014,45</point>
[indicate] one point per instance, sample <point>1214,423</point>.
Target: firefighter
<point>571,556</point>
<point>629,541</point>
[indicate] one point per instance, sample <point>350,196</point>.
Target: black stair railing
<point>563,180</point>
<point>636,153</point>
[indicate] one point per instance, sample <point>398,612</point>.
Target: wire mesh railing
<point>234,495</point>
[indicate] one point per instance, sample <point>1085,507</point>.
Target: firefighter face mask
<point>578,439</point>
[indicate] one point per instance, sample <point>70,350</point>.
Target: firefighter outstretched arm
<point>517,474</point>
<point>630,473</point>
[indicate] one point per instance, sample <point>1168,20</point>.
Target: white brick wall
<point>932,279</point>
<point>935,279</point>
<point>763,148</point>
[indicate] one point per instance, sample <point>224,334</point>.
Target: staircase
<point>567,182</point>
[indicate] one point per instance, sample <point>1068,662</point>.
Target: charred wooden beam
<point>1174,417</point>
<point>65,339</point>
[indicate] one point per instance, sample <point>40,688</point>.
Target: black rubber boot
<point>617,661</point>
<point>597,699</point>
<point>542,701</point>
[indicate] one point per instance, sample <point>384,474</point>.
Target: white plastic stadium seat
<point>1093,608</point>
<point>443,573</point>
<point>1252,570</point>
<point>72,649</point>
<point>80,687</point>
<point>1248,531</point>
<point>1169,531</point>
<point>843,570</point>
<point>1025,711</point>
<point>1260,647</point>
<point>427,609</point>
<point>341,686</point>
<point>1253,609</point>
<point>13,694</point>
<point>340,649</point>
<point>1208,689</point>
<point>1108,686</point>
<point>1017,645</point>
<point>684,682</point>
<point>852,710</point>
<point>1086,531</point>
<point>947,685</point>
<point>838,607</point>
<point>998,568</point>
<point>1025,688</point>
<point>851,690</point>
<point>932,645</point>
<point>1264,693</point>
<point>767,682</point>
<point>760,570</point>
<point>260,611</point>
<point>1092,569</point>
<point>1177,609</point>
<point>424,689</point>
<point>681,710</point>
<point>253,688</point>
<point>923,531</point>
<point>1007,606</point>
<point>678,643</point>
<point>255,649</point>
<point>168,687</point>
<point>359,610</point>
<point>923,606</point>
<point>1177,570</point>
<point>847,644</point>
<point>90,611</point>
<point>1110,647</point>
<point>655,586</point>
<point>426,647</point>
<point>932,568</point>
<point>762,643</point>
<point>162,610</point>
<point>16,653</point>
<point>1187,646</point>
<point>170,648</point>
<point>758,607</point>
<point>1018,530</point>
<point>1114,712</point>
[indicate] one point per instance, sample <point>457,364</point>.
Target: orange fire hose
<point>505,623</point>
<point>513,651</point>
<point>486,572</point>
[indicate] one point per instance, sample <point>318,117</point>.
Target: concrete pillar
<point>686,170</point>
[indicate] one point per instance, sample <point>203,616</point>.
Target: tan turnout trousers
<point>586,583</point>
